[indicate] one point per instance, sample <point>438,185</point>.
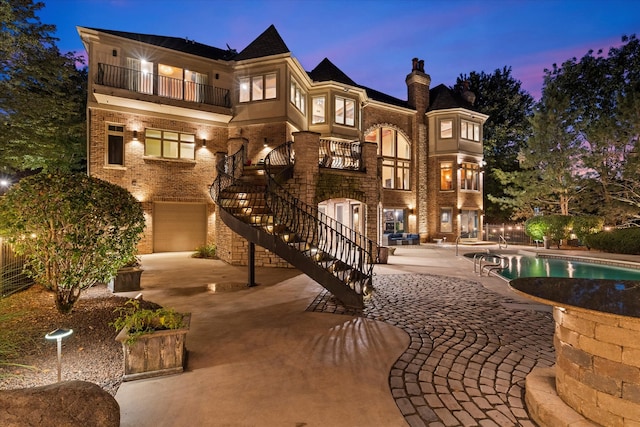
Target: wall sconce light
<point>265,143</point>
<point>459,211</point>
<point>204,142</point>
<point>135,135</point>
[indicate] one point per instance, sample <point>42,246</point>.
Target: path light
<point>57,335</point>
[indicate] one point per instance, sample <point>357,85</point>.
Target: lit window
<point>257,88</point>
<point>446,222</point>
<point>446,176</point>
<point>139,75</point>
<point>469,223</point>
<point>297,96</point>
<point>318,115</point>
<point>170,81</point>
<point>396,157</point>
<point>345,111</point>
<point>393,220</point>
<point>115,145</point>
<point>470,130</point>
<point>470,175</point>
<point>169,145</point>
<point>195,86</point>
<point>446,129</point>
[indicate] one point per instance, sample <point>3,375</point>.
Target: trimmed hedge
<point>621,241</point>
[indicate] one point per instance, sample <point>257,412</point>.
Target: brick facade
<point>260,125</point>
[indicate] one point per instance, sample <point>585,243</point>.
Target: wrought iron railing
<point>329,238</point>
<point>168,87</point>
<point>340,155</point>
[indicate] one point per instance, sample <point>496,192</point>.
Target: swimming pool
<point>530,266</point>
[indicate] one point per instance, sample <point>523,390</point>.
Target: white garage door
<point>179,226</point>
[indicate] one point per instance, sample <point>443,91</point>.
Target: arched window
<point>396,157</point>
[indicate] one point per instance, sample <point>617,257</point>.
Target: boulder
<point>68,404</point>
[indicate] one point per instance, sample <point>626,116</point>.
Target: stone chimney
<point>418,86</point>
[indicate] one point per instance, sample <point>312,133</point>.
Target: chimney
<point>418,86</point>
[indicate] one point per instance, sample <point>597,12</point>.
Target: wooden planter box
<point>127,280</point>
<point>154,354</point>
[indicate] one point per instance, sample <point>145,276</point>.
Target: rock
<point>68,404</point>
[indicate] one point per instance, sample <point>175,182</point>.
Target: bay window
<point>470,177</point>
<point>470,130</point>
<point>345,111</point>
<point>446,176</point>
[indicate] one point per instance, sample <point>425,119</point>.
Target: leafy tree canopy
<point>42,95</point>
<point>75,230</point>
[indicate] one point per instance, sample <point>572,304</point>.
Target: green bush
<point>585,225</point>
<point>140,321</point>
<point>205,251</point>
<point>621,241</point>
<point>559,228</point>
<point>537,227</point>
<point>75,230</point>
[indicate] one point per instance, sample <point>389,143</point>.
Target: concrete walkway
<point>437,345</point>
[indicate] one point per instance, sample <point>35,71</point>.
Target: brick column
<point>372,189</point>
<point>305,171</point>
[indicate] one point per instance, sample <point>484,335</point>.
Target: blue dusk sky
<point>373,41</point>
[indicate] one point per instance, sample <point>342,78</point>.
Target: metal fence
<point>513,233</point>
<point>12,275</point>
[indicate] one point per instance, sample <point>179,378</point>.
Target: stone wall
<point>598,365</point>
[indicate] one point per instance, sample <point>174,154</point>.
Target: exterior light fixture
<point>4,182</point>
<point>265,143</point>
<point>58,335</point>
<point>204,142</point>
<point>135,135</point>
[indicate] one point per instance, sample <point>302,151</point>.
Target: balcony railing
<point>153,84</point>
<point>340,155</point>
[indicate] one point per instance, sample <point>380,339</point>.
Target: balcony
<point>167,87</point>
<point>340,155</point>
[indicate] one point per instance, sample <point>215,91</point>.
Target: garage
<point>179,226</point>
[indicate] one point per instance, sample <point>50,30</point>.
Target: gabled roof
<point>441,98</point>
<point>266,44</point>
<point>175,43</point>
<point>327,71</point>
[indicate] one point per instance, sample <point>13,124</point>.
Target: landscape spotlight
<point>57,335</point>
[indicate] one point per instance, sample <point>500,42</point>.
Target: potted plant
<point>153,340</point>
<point>127,278</point>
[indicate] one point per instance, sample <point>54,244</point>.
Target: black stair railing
<point>330,242</point>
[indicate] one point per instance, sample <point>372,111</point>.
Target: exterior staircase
<point>254,204</point>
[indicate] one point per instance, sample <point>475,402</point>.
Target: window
<point>169,81</point>
<point>470,174</point>
<point>446,220</point>
<point>257,88</point>
<point>169,145</point>
<point>469,223</point>
<point>298,96</point>
<point>393,220</point>
<point>140,75</point>
<point>396,157</point>
<point>345,111</point>
<point>446,176</point>
<point>446,128</point>
<point>194,86</point>
<point>318,113</point>
<point>115,145</point>
<point>470,130</point>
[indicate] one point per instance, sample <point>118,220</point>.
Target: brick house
<point>163,112</point>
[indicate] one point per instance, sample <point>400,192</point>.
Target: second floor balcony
<point>167,87</point>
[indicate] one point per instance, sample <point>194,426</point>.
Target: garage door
<point>179,226</point>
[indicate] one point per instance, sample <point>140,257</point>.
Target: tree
<point>501,97</point>
<point>75,230</point>
<point>42,95</point>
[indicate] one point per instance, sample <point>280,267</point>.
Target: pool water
<point>528,266</point>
